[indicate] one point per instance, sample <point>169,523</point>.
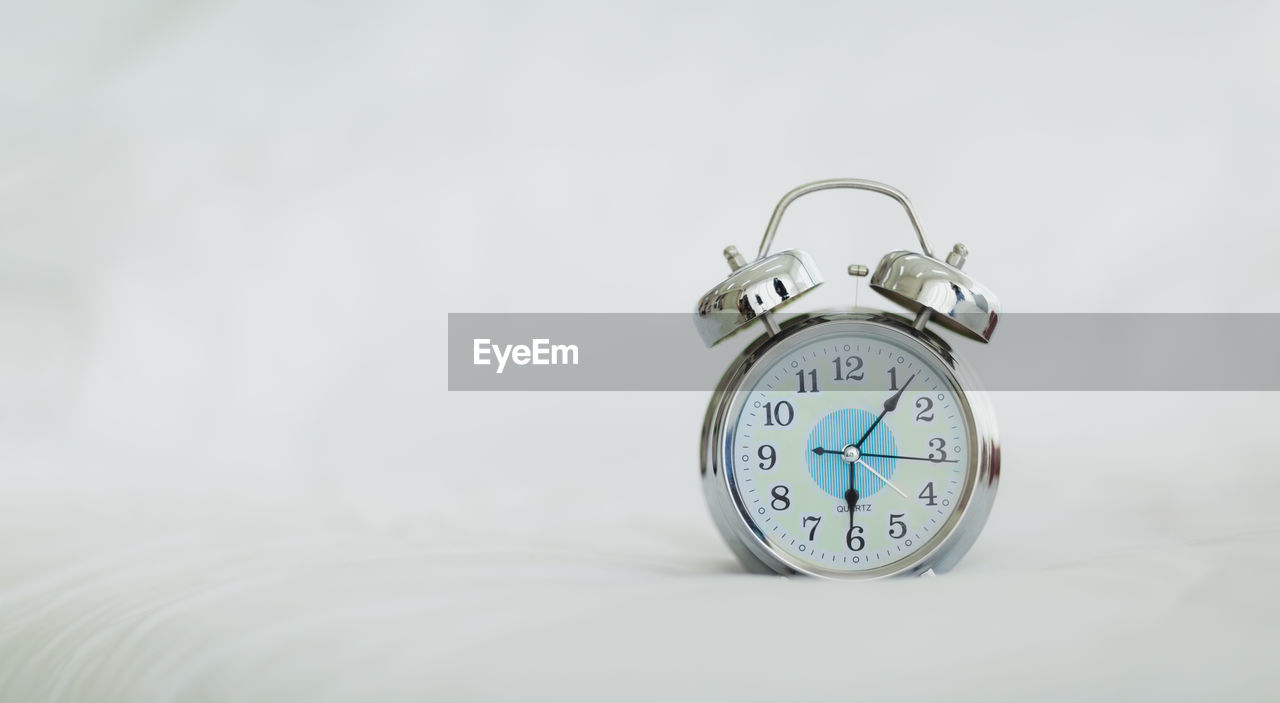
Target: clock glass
<point>851,452</point>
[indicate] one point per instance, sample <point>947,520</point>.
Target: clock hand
<point>851,497</point>
<point>913,458</point>
<point>882,478</point>
<point>889,406</point>
<point>820,451</point>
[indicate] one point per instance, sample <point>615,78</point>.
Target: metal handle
<point>856,183</point>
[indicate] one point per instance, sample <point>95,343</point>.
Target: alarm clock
<point>849,444</point>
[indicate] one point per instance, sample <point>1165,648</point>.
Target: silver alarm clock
<point>849,444</point>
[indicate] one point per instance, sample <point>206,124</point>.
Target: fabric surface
<point>1098,576</point>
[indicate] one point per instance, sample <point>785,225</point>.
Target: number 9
<point>769,454</point>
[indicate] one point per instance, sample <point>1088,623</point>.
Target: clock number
<point>769,454</point>
<point>855,541</point>
<point>813,381</point>
<point>895,521</point>
<point>893,378</point>
<point>937,443</point>
<point>927,495</point>
<point>852,364</point>
<point>782,413</point>
<point>780,500</point>
<point>925,405</point>
<point>812,530</point>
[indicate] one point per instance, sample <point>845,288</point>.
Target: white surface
<point>229,234</point>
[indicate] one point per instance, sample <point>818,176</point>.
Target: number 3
<point>937,443</point>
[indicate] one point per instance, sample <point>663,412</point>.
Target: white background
<point>230,234</point>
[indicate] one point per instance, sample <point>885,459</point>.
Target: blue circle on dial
<point>838,430</point>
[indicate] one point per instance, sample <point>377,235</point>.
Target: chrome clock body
<point>808,464</point>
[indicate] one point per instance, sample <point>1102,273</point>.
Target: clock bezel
<point>728,509</point>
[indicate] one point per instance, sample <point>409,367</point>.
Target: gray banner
<point>1030,351</point>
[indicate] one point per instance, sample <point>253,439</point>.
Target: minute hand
<point>889,406</point>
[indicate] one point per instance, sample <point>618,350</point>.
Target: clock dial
<point>851,452</point>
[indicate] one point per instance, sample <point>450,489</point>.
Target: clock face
<point>851,451</point>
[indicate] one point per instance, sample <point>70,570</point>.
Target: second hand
<point>867,466</point>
